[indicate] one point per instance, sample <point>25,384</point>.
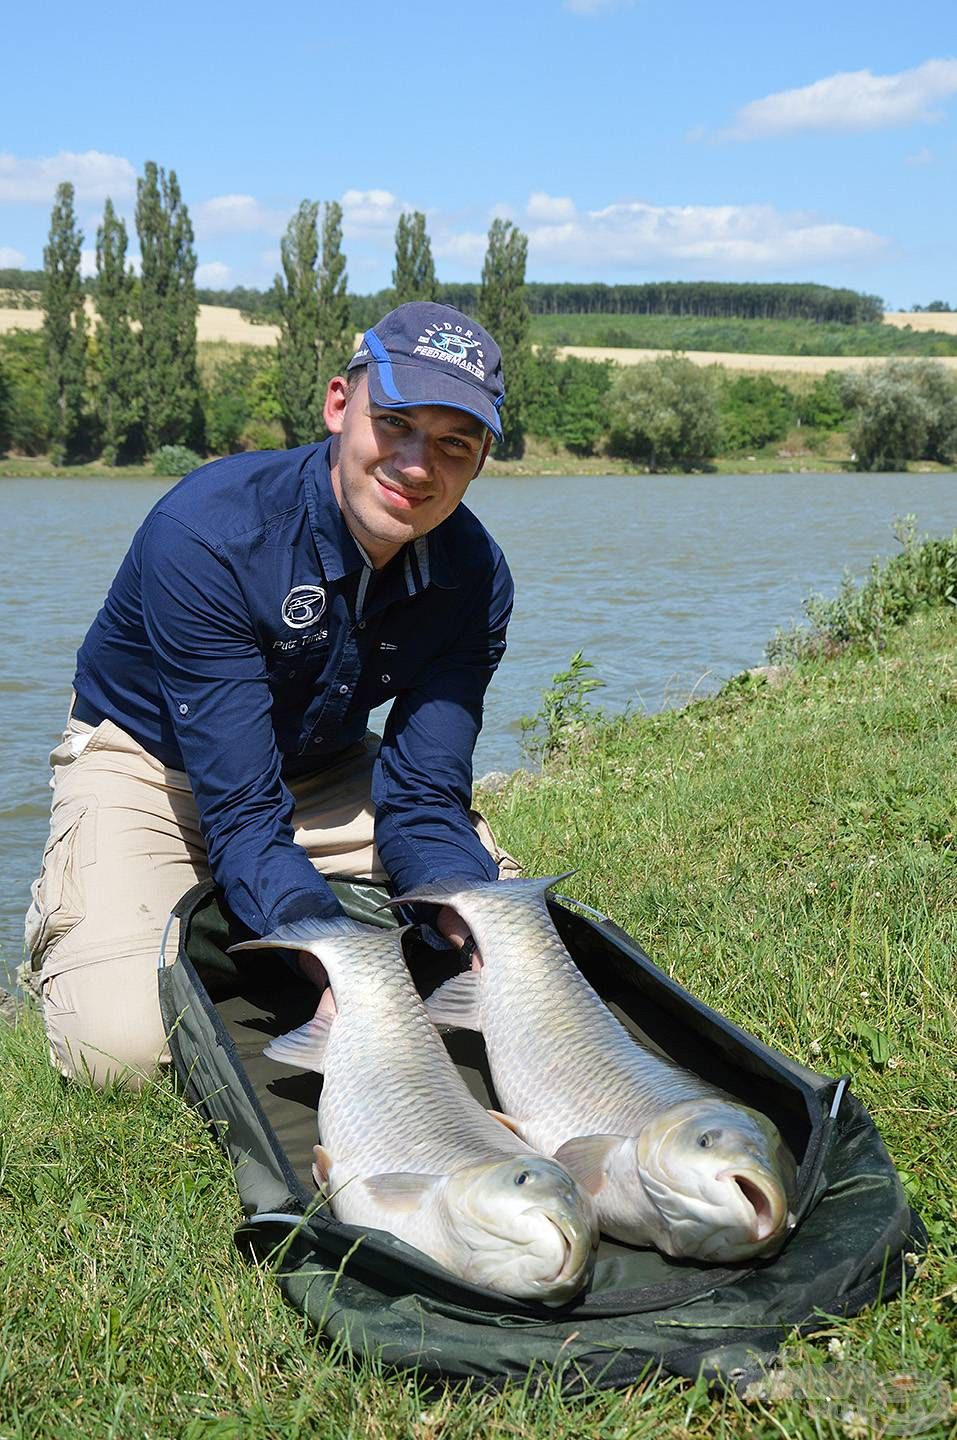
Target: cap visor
<point>404,385</point>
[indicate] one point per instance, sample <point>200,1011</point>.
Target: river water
<point>668,584</point>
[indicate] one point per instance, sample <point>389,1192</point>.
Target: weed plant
<point>922,575</point>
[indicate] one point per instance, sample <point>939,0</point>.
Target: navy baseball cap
<point>428,354</point>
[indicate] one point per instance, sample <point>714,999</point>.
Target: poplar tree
<point>503,310</point>
<point>64,327</point>
<point>167,312</point>
<point>414,275</point>
<point>119,402</point>
<point>336,330</point>
<point>298,301</point>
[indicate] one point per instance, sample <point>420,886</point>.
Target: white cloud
<point>633,236</point>
<point>87,263</point>
<point>11,259</point>
<point>235,215</point>
<point>919,158</point>
<point>94,176</point>
<point>466,248</point>
<point>548,208</point>
<point>852,100</point>
<point>213,274</point>
<point>371,210</point>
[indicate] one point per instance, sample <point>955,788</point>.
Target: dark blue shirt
<point>245,639</point>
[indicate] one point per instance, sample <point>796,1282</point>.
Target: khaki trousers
<point>124,847</point>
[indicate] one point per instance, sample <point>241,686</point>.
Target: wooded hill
<point>821,304</point>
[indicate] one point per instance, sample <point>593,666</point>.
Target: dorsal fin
<point>444,892</point>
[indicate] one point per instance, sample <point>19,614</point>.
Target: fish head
<point>521,1226</point>
<point>721,1179</point>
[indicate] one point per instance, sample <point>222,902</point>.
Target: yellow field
<point>222,324</point>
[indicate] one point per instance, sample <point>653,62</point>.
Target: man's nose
<point>413,456</point>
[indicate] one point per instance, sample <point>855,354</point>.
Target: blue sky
<point>633,141</point>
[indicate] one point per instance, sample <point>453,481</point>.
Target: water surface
<point>669,584</point>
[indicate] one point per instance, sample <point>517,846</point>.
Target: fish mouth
<point>575,1252</point>
<point>767,1209</point>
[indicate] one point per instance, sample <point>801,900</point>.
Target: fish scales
<point>563,1063</point>
<point>383,1047</point>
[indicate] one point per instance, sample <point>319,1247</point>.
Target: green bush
<point>240,393</point>
<point>754,411</point>
<point>822,406</point>
<point>175,460</point>
<point>890,418</point>
<point>565,400</point>
<point>922,576</point>
<point>664,412</point>
<point>24,365</point>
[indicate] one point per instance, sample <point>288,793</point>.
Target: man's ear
<point>337,396</point>
<point>486,447</point>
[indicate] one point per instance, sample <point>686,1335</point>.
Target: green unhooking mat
<point>379,1296</point>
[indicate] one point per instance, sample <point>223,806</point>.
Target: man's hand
<point>314,970</point>
<point>451,925</point>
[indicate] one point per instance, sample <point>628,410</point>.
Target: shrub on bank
<point>921,577</point>
<point>754,411</point>
<point>664,412</point>
<point>175,460</point>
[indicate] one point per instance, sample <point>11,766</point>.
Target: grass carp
<point>404,1145</point>
<point>671,1160</point>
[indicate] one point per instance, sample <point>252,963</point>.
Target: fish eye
<point>521,1178</point>
<point>708,1137</point>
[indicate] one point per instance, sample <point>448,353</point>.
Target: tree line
<point>128,384</point>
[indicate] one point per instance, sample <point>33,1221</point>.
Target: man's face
<point>398,473</point>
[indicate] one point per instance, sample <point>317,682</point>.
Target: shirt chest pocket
<point>296,671</point>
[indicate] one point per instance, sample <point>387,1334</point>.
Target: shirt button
<point>362,624</point>
<point>184,709</point>
<point>343,689</point>
<point>292,674</point>
<point>386,679</point>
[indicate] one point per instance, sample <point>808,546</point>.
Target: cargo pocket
<point>508,867</point>
<point>57,895</point>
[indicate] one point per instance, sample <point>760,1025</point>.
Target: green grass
<point>790,854</point>
<point>746,337</point>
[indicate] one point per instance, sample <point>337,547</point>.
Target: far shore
<point>40,468</point>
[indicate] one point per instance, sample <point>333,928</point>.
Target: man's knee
<point>103,1019</point>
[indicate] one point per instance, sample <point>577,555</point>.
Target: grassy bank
<point>787,853</point>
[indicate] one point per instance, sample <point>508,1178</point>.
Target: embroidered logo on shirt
<point>303,606</point>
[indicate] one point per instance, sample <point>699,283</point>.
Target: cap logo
<point>455,344</point>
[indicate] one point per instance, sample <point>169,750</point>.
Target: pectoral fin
<point>305,1047</point>
<point>508,1122</point>
<point>586,1159</point>
<point>402,1192</point>
<point>457,1002</point>
<point>321,1166</point>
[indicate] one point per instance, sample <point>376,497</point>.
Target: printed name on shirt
<point>387,645</point>
<point>301,642</point>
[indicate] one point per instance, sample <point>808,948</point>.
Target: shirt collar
<point>425,561</point>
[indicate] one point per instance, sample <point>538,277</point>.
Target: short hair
<point>353,377</point>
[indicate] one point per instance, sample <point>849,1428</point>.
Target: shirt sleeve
<point>422,785</point>
<point>212,676</point>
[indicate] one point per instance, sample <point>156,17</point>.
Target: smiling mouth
<point>399,496</point>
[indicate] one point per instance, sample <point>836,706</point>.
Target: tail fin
<point>446,892</point>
